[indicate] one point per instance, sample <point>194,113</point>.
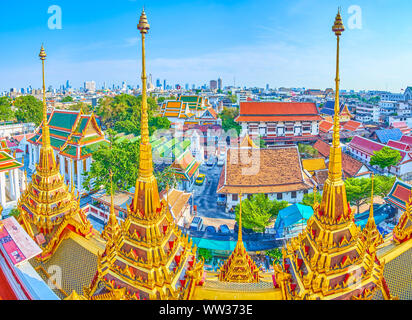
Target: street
<point>205,196</point>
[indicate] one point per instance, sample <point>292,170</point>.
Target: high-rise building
<point>213,85</point>
<point>90,86</point>
<point>158,84</point>
<point>164,84</point>
<point>219,84</point>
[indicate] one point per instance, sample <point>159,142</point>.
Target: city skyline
<point>249,44</point>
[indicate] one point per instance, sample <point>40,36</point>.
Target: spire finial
<point>371,206</point>
<point>45,131</point>
<point>239,237</point>
<point>143,25</point>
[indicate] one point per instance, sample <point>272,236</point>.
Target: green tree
<point>28,109</point>
<point>122,158</point>
<point>385,157</point>
<point>309,199</point>
<point>382,185</point>
<point>206,254</point>
<point>262,143</point>
<point>67,99</point>
<point>86,108</point>
<point>228,116</point>
<point>358,191</point>
<point>307,150</point>
<point>259,211</point>
<point>275,254</point>
<point>6,113</point>
<point>156,123</point>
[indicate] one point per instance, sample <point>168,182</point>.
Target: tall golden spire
<point>146,197</point>
<point>47,161</point>
<point>371,206</point>
<point>239,232</point>
<point>335,166</point>
<point>334,203</point>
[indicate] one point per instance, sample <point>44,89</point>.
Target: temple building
<point>329,260</point>
<point>147,256</point>
<point>74,137</point>
<point>11,178</point>
<point>276,172</point>
<point>280,122</point>
<point>328,110</point>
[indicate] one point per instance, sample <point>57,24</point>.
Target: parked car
<point>200,179</point>
<point>224,229</point>
<point>197,224</point>
<point>211,161</point>
<point>210,229</point>
<point>221,199</point>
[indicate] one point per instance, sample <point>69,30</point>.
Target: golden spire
<point>111,229</point>
<point>47,160</point>
<point>335,172</point>
<point>146,198</point>
<point>371,218</point>
<point>239,267</point>
<point>239,232</point>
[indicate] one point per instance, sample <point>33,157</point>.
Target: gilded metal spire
<point>146,198</point>
<point>239,235</point>
<point>371,206</point>
<point>335,172</point>
<point>47,161</point>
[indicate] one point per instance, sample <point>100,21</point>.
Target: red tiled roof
<point>398,145</point>
<point>322,147</point>
<point>325,126</point>
<point>407,140</point>
<point>352,125</point>
<point>369,146</point>
<point>277,111</point>
<point>212,112</point>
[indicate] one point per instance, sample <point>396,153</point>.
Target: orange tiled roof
<point>352,125</point>
<point>322,147</point>
<point>325,126</point>
<point>350,166</point>
<point>274,170</point>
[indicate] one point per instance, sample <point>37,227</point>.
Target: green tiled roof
<point>57,143</point>
<point>93,147</point>
<point>192,99</point>
<point>81,125</point>
<point>63,120</point>
<point>59,133</point>
<point>71,150</point>
<point>158,142</point>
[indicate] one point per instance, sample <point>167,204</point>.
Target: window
<point>249,196</point>
<point>279,196</point>
<point>293,194</point>
<point>235,197</point>
<point>305,192</point>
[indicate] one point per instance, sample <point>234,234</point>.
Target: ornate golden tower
<point>329,260</point>
<point>370,233</point>
<point>239,267</point>
<point>403,230</point>
<point>47,207</point>
<point>149,258</point>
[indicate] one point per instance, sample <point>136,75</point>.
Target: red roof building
<point>402,126</point>
<point>325,126</point>
<point>280,121</point>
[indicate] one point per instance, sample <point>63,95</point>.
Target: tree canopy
<point>358,191</point>
<point>309,199</point>
<point>86,108</point>
<point>29,109</point>
<point>123,114</point>
<point>228,115</point>
<point>122,158</point>
<point>385,157</point>
<point>67,99</point>
<point>259,211</point>
<point>6,113</point>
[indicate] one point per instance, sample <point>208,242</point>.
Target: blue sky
<point>282,43</point>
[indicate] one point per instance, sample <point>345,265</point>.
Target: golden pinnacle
<point>42,54</point>
<point>338,27</point>
<point>143,26</point>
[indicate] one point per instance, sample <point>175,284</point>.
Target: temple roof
<point>278,170</point>
<point>277,111</point>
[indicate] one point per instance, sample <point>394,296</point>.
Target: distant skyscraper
<point>158,84</point>
<point>90,86</point>
<point>267,87</point>
<point>219,84</point>
<point>187,86</point>
<point>164,84</point>
<point>213,84</point>
<point>67,85</point>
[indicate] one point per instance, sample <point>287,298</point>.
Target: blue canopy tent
<point>292,215</point>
